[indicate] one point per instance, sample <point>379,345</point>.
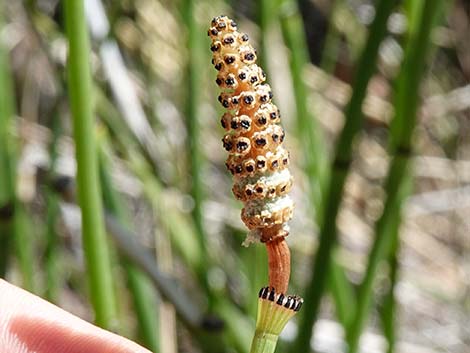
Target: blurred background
<point>182,282</point>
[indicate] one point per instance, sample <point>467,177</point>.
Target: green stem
<point>267,11</point>
<point>388,311</point>
<point>263,343</point>
<point>343,294</point>
<point>7,184</point>
<point>340,168</point>
<point>15,229</point>
<point>95,246</point>
<point>257,258</point>
<point>24,245</point>
<point>140,288</point>
<point>307,127</point>
<point>401,137</point>
<point>51,254</point>
<point>332,40</point>
<point>193,100</point>
<point>384,239</point>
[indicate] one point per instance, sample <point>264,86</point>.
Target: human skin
<point>30,324</point>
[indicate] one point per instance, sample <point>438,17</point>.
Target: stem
<point>7,184</point>
<point>278,264</point>
<point>190,313</point>
<point>15,230</point>
<point>140,288</point>
<point>94,242</point>
<point>263,343</point>
<point>258,277</point>
<point>193,100</point>
<point>340,168</point>
<point>267,11</point>
<point>24,245</point>
<point>383,242</point>
<point>401,133</point>
<point>181,231</point>
<point>307,127</point>
<point>343,293</point>
<point>51,254</point>
<point>329,57</point>
<point>389,303</point>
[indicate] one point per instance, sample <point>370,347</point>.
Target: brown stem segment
<point>279,264</point>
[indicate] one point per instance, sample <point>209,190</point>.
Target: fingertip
<point>31,324</point>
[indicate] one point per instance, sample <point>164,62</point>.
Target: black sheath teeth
<point>271,295</point>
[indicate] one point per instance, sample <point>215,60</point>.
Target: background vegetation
<point>375,99</point>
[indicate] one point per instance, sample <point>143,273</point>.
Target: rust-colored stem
<point>279,264</point>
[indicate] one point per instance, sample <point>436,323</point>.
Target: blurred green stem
<point>51,255</point>
<point>402,128</point>
<point>143,297</point>
<point>342,292</point>
<point>7,165</point>
<point>307,127</point>
<point>193,78</point>
<point>385,230</point>
<point>183,235</point>
<point>388,310</point>
<point>315,159</point>
<point>257,259</point>
<point>332,42</point>
<point>89,196</point>
<point>15,229</point>
<point>24,245</point>
<point>340,168</point>
<point>267,11</point>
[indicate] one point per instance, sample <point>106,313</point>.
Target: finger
<point>31,324</point>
